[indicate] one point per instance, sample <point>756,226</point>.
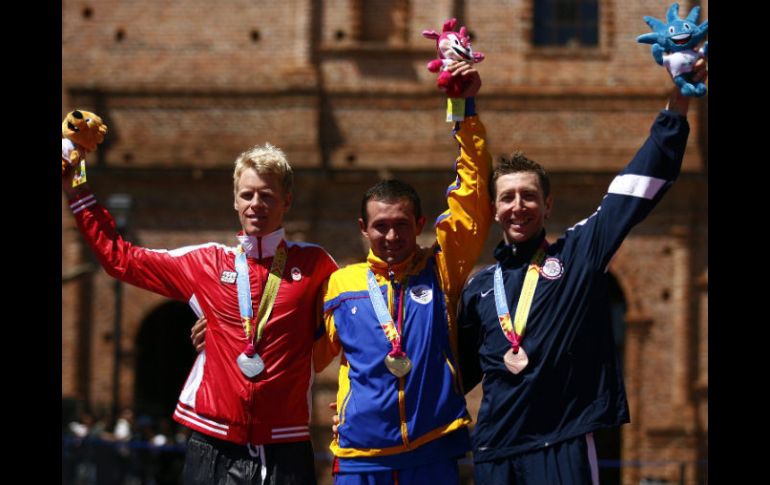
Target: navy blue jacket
<point>573,383</point>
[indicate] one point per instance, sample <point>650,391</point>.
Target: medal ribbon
<point>268,296</point>
<point>383,315</point>
<point>514,333</point>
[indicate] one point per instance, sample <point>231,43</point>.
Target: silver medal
<point>250,366</point>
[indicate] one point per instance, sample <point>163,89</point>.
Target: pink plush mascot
<point>451,46</point>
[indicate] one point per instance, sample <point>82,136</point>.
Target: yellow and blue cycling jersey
<point>387,422</point>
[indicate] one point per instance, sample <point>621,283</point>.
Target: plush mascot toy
<point>673,42</point>
<point>452,46</point>
<point>81,132</point>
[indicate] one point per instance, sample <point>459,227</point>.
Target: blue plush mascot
<point>672,46</point>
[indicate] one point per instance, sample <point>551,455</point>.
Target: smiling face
<point>261,202</point>
<point>391,229</point>
<point>521,207</point>
<point>675,34</point>
<point>682,35</point>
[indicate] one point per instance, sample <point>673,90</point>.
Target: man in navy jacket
<point>550,374</point>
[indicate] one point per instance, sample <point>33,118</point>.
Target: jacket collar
<point>400,270</point>
<point>517,253</point>
<point>261,247</point>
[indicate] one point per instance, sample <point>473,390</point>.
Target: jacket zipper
<point>401,380</point>
<point>253,385</point>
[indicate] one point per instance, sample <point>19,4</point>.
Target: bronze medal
<point>516,362</point>
<point>398,366</point>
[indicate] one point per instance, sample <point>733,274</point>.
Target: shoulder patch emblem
<point>552,269</point>
<point>296,274</point>
<point>228,277</point>
<point>422,294</point>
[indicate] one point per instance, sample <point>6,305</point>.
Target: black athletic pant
<point>210,461</point>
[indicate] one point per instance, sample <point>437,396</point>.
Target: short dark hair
<point>517,162</point>
<point>390,191</point>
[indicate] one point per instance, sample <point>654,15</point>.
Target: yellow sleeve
<point>326,345</point>
<point>461,230</point>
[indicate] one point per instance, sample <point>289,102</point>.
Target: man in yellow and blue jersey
<point>402,413</point>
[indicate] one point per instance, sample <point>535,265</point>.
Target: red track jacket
<point>218,399</point>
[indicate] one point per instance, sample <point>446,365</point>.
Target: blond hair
<point>265,159</point>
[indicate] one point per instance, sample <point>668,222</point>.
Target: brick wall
<point>186,86</point>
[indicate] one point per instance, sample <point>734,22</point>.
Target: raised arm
<point>638,188</point>
<point>462,229</point>
<point>162,272</point>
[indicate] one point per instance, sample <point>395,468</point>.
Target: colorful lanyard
<point>515,333</point>
<point>383,316</point>
<point>268,296</point>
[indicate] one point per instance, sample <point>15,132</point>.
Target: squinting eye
<point>686,26</point>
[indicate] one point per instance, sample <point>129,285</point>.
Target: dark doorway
<point>608,440</point>
<point>164,356</point>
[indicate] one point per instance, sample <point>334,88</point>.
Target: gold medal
<point>516,362</point>
<point>398,366</point>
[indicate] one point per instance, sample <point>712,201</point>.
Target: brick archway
<point>164,357</point>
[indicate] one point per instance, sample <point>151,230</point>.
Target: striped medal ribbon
<point>249,361</point>
<point>516,358</point>
<point>396,361</point>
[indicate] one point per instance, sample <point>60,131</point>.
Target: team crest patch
<point>296,274</point>
<point>552,269</point>
<point>228,277</point>
<point>422,294</point>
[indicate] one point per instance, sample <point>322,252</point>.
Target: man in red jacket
<point>246,395</point>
